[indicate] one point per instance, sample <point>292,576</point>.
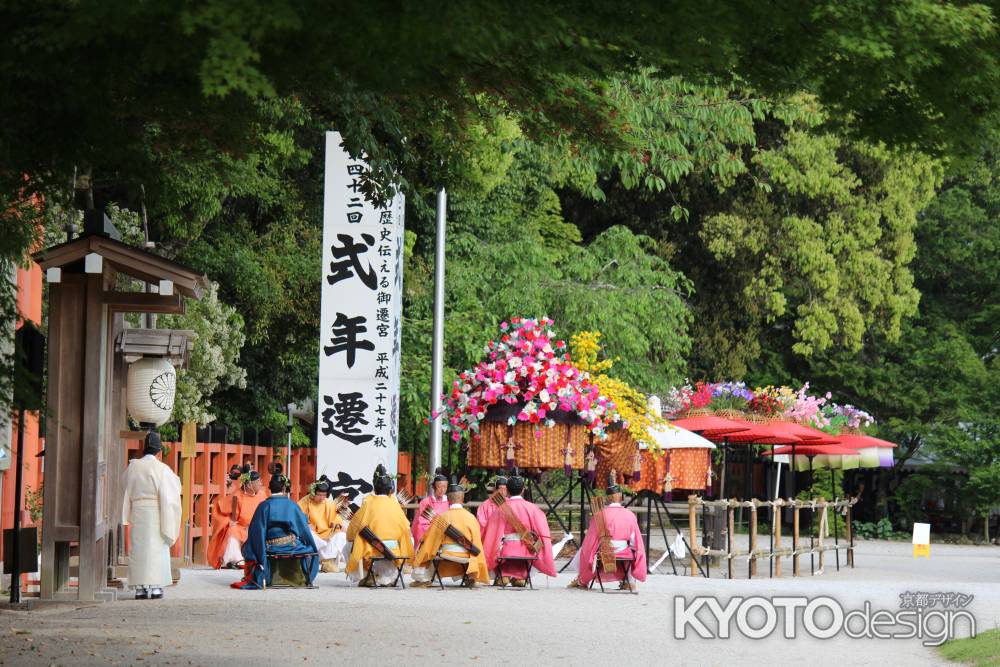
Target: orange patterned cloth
<point>688,467</point>
<point>547,449</point>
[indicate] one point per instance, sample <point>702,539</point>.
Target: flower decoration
<point>764,403</point>
<point>848,416</point>
<point>676,399</point>
<point>730,395</point>
<point>529,367</point>
<point>808,409</point>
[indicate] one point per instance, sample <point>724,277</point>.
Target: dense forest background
<point>780,195</point>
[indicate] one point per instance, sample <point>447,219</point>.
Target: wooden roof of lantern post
<point>89,349</point>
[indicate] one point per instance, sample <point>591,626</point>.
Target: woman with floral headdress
<point>231,514</point>
<point>326,523</point>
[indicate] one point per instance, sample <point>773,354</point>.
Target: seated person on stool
<point>436,540</point>
<point>231,515</point>
<point>326,524</point>
<point>279,529</point>
<point>381,513</point>
<point>501,539</point>
<point>438,503</point>
<point>626,540</point>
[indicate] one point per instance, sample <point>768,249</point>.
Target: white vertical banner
<point>360,320</point>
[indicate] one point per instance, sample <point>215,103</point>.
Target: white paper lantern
<point>152,383</point>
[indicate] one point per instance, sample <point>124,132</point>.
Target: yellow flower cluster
<point>585,351</point>
<point>784,394</point>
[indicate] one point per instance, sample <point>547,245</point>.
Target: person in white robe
<point>152,508</point>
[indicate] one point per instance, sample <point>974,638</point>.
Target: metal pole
<point>434,455</point>
<point>288,430</point>
<point>15,573</point>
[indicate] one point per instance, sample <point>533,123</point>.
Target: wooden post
<point>777,535</point>
<point>850,534</point>
<point>822,527</point>
<point>189,433</point>
<point>753,537</point>
<point>693,527</point>
<point>732,536</point>
<point>795,539</point>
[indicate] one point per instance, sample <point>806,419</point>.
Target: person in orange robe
<point>229,531</point>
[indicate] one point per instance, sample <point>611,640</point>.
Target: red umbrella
<point>810,449</point>
<point>770,433</point>
<point>710,425</point>
<point>755,434</point>
<point>808,435</point>
<point>862,441</point>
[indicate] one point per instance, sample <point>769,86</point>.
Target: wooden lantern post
<point>87,370</point>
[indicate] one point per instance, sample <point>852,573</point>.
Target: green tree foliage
<point>791,231</point>
<point>824,250</point>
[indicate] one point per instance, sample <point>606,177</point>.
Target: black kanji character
<point>350,261</point>
<point>345,337</point>
<point>352,487</point>
<point>342,417</point>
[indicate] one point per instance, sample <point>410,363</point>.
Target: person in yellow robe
<point>382,513</point>
<point>326,524</point>
<point>458,562</point>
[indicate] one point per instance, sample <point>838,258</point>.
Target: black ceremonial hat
<point>612,484</point>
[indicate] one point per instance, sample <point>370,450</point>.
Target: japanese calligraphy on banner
<point>358,420</point>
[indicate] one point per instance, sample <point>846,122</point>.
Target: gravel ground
<point>203,622</point>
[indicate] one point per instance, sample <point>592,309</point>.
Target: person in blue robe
<point>278,528</point>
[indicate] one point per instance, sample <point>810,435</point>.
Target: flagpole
<point>434,457</point>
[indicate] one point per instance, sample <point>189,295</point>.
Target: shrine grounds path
<point>203,622</point>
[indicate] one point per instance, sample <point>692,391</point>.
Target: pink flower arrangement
<point>529,367</point>
<point>808,409</point>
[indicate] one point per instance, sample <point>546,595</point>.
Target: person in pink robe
<point>626,540</point>
<point>500,538</point>
<point>488,508</point>
<point>436,499</point>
